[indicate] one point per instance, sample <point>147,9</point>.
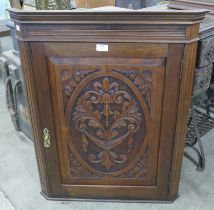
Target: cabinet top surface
<point>207,27</point>
<point>108,25</point>
<point>191,4</point>
<point>107,15</point>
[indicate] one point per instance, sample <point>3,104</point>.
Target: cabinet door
<point>111,136</point>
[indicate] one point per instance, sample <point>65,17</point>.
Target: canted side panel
<point>185,93</point>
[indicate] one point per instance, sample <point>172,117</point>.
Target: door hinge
<point>46,138</point>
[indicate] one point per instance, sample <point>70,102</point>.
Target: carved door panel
<point>107,113</point>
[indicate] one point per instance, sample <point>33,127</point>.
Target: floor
<point>4,203</point>
<point>20,187</point>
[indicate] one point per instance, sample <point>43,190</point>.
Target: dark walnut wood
<point>109,124</point>
<point>191,4</point>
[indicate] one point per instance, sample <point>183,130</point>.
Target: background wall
<point>3,5</point>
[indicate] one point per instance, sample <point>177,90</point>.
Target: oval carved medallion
<point>107,124</point>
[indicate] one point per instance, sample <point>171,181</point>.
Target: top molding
<point>187,17</point>
<point>164,26</point>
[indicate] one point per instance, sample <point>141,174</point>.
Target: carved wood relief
<point>76,169</point>
<point>70,81</point>
<point>107,122</point>
<point>138,171</point>
<point>143,80</point>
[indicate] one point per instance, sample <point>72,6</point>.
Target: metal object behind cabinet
<point>16,98</point>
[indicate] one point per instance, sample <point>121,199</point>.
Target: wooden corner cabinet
<point>109,94</point>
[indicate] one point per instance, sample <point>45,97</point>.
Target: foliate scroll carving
<point>110,127</point>
<point>76,169</point>
<point>107,126</point>
<point>140,169</point>
<point>143,80</point>
<point>70,80</point>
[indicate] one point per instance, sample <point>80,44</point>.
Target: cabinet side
<point>186,86</point>
<point>29,83</point>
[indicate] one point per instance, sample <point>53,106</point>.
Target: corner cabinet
<point>109,94</point>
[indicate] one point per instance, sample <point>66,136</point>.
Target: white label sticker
<point>17,27</point>
<point>102,47</point>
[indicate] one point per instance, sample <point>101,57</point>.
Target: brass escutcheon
<point>46,138</point>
